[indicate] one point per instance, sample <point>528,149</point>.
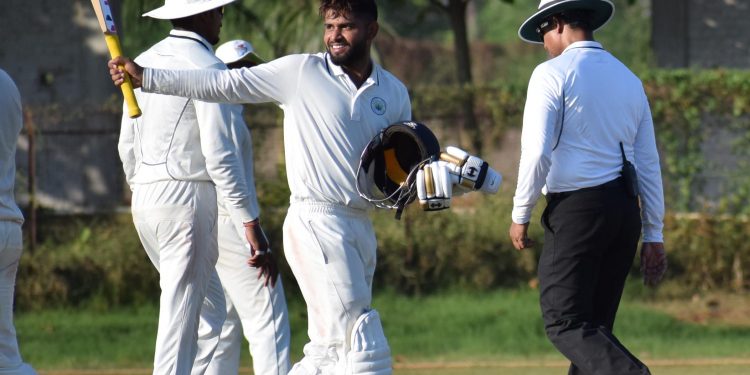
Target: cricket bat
<point>107,24</point>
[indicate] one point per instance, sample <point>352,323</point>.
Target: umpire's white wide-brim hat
<point>174,9</point>
<point>236,50</point>
<point>601,13</point>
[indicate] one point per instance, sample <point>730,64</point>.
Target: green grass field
<point>690,368</point>
<point>449,334</point>
<point>529,369</point>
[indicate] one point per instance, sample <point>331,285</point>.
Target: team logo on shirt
<point>378,105</point>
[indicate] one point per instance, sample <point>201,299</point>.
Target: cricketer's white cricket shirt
<point>601,103</point>
<point>327,120</point>
<point>243,142</point>
<point>11,121</point>
<point>183,138</point>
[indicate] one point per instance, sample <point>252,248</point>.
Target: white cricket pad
<point>369,353</point>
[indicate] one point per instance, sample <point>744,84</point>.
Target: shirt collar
<point>584,44</point>
<point>338,71</point>
<point>184,34</point>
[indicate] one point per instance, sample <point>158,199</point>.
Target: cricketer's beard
<point>357,51</point>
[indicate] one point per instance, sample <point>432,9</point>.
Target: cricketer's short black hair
<point>182,23</point>
<point>366,9</point>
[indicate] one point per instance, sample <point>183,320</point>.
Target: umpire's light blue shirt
<point>602,103</point>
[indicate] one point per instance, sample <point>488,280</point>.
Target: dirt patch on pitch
<point>713,308</point>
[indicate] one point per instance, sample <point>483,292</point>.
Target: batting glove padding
<point>472,172</point>
<point>434,186</point>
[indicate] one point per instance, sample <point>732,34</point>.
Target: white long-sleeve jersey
<point>328,121</point>
<point>240,135</point>
<point>601,103</point>
<point>185,138</point>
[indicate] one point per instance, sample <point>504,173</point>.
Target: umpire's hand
<point>260,254</point>
<point>653,262</point>
<point>519,236</point>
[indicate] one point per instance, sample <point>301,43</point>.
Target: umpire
<point>587,133</point>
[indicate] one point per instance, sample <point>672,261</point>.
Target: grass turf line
<point>498,327</point>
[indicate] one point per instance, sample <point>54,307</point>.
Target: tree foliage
<point>274,28</point>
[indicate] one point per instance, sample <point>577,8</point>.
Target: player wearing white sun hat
<point>238,54</point>
<point>587,128</point>
<point>253,308</point>
<point>179,157</point>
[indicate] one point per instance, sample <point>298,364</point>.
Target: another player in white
<point>253,307</point>
<point>11,237</point>
<point>334,103</point>
<point>178,157</point>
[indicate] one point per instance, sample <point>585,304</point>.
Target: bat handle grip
<point>113,44</point>
<point>127,91</point>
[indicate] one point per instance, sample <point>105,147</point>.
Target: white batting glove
<point>434,186</point>
<point>472,172</point>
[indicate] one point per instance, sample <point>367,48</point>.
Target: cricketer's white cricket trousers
<point>10,252</point>
<point>258,311</point>
<point>176,222</point>
<point>331,250</point>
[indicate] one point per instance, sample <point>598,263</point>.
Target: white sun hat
<point>173,9</point>
<point>236,50</point>
<point>601,13</point>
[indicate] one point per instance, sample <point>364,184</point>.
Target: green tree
<point>456,12</point>
<point>276,28</point>
<point>139,33</point>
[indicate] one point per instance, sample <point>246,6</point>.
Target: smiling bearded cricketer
<point>334,103</point>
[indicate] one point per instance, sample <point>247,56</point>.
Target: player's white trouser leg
<point>332,252</point>
<point>226,359</point>
<point>212,316</point>
<point>10,252</point>
<point>258,311</point>
<point>176,221</point>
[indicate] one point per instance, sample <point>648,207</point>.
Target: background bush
<point>96,261</point>
<point>465,247</point>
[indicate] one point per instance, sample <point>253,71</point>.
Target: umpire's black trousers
<point>590,239</point>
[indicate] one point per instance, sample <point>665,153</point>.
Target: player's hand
<point>653,263</point>
<point>261,256</point>
<point>434,186</point>
<point>267,267</point>
<point>122,63</point>
<point>519,236</point>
